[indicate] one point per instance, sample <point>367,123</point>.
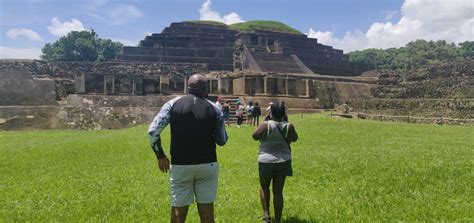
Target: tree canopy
<point>81,46</point>
<point>419,52</point>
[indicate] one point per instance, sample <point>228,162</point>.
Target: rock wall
<point>69,70</point>
<point>293,103</point>
<point>451,79</point>
<point>20,88</point>
<point>94,75</point>
<point>84,112</point>
<point>453,108</point>
<point>331,92</point>
<point>443,89</point>
<point>417,120</point>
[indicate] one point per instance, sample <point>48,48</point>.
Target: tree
<point>81,46</point>
<point>413,54</point>
<point>467,49</point>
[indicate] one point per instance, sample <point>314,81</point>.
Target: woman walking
<point>274,159</point>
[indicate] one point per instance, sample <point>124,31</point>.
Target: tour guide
<point>196,126</point>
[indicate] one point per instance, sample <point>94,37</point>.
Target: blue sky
<point>26,25</point>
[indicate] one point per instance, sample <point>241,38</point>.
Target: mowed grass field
<point>344,170</point>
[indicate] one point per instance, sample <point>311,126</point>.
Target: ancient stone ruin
<point>224,49</point>
<point>251,65</point>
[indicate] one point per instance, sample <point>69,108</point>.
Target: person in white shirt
<point>249,110</point>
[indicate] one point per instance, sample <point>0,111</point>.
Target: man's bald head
<point>197,85</point>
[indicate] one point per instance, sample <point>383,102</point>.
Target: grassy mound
<point>344,170</point>
<point>208,22</point>
<point>264,25</point>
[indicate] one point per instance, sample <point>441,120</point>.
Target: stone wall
<point>84,112</point>
<point>69,70</point>
<point>447,79</point>
<point>453,108</point>
<point>293,103</point>
<point>108,77</point>
<point>20,88</point>
<point>331,92</point>
<point>417,120</point>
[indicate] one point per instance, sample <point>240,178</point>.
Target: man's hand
<point>164,164</point>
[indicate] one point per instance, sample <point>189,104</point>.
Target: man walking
<point>196,126</point>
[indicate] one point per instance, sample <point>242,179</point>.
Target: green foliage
<point>467,48</point>
<point>265,25</point>
<point>344,171</point>
<point>416,53</point>
<point>81,46</point>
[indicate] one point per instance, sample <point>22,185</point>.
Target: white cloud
<point>121,14</point>
<point>207,13</point>
<point>452,21</point>
<point>19,53</point>
<point>389,14</point>
<point>59,28</point>
<point>28,33</point>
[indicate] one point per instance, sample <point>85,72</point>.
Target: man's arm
<point>220,134</point>
<point>160,121</point>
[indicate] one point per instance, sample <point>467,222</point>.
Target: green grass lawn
<point>344,170</point>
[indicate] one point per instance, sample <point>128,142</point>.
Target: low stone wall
<point>84,112</point>
<point>416,119</point>
<point>88,101</point>
<point>453,108</point>
<point>292,103</point>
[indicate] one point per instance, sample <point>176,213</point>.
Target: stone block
<point>291,86</point>
<point>281,85</point>
<point>300,87</point>
<point>249,85</point>
<point>258,85</point>
<point>109,84</point>
<point>123,84</point>
<point>19,88</point>
<point>270,85</point>
<point>80,84</point>
<point>223,85</point>
<point>151,84</point>
<point>238,86</point>
<point>310,88</point>
<point>138,85</point>
<point>165,84</point>
<point>95,83</point>
<point>214,86</point>
<point>209,83</point>
<point>176,85</point>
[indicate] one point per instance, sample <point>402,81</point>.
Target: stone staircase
<point>276,63</point>
<point>233,104</point>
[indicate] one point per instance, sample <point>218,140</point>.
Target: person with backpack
<point>274,159</point>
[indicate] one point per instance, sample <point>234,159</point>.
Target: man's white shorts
<point>189,181</point>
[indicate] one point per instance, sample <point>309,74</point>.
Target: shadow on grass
<point>293,219</point>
